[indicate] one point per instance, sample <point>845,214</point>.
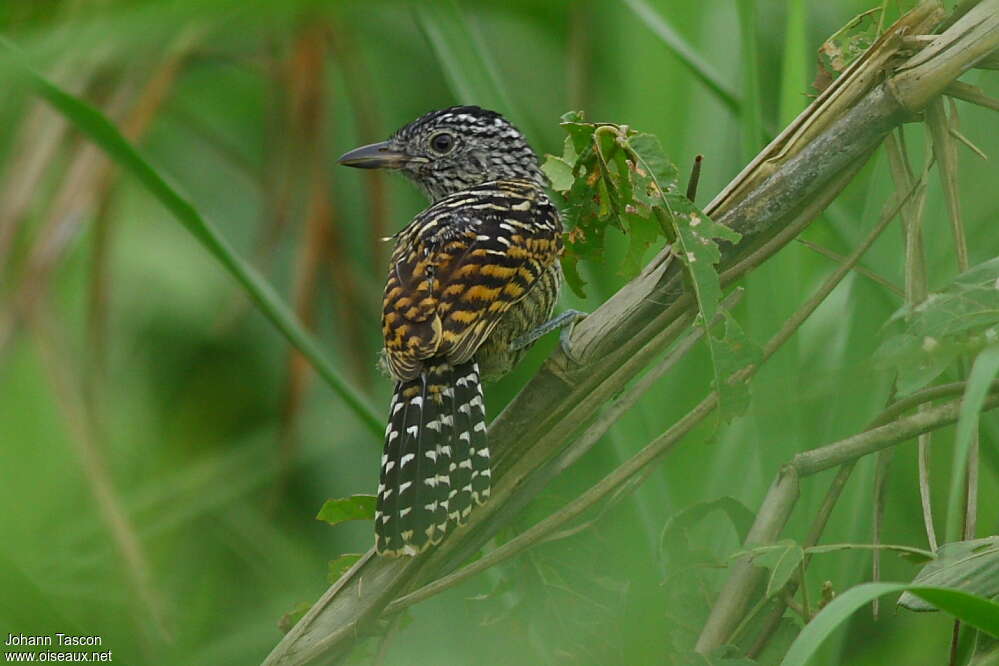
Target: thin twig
<point>861,270</point>
<point>972,94</point>
<point>882,467</point>
<point>814,534</point>
<point>915,292</point>
<point>695,178</point>
<point>967,142</point>
<point>805,611</point>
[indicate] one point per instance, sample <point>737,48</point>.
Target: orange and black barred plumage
<point>470,274</point>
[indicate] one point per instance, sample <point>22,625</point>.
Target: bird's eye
<point>442,143</point>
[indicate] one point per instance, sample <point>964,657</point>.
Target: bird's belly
<point>494,356</point>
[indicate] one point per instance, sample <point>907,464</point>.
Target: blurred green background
<point>162,452</point>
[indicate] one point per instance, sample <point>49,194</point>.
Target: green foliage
<point>611,176</point>
<point>783,559</point>
<point>355,507</point>
<point>961,317</point>
<point>972,566</point>
<point>615,177</point>
<point>974,610</point>
<point>846,45</point>
<point>980,381</point>
<point>291,618</point>
<point>674,541</point>
<point>340,565</point>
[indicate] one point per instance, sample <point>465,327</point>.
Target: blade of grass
<point>794,77</point>
<point>861,270</point>
<point>685,53</point>
<point>461,52</point>
<point>985,369</point>
<point>915,289</point>
<point>977,611</point>
<point>751,116</point>
<point>92,123</point>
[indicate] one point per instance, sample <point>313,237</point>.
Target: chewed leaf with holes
<point>961,318</point>
<point>605,186</point>
<point>614,177</point>
<point>696,235</point>
<point>844,46</point>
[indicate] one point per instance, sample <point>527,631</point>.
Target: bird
<point>472,283</point>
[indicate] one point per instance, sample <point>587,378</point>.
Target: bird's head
<point>453,149</point>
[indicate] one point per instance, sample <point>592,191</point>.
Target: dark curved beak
<point>374,156</point>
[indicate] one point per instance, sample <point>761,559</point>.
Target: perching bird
<point>472,282</point>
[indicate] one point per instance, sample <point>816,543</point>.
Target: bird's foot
<point>565,321</point>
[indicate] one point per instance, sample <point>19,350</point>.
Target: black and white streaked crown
<point>463,146</point>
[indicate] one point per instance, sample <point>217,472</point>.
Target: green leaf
<point>696,234</point>
<point>653,157</point>
<point>291,618</point>
<point>972,566</point>
<point>559,172</point>
<point>623,178</point>
<point>673,538</point>
<point>974,610</point>
<point>355,507</point>
<point>580,134</point>
<point>106,136</point>
<point>962,317</point>
<point>985,369</point>
<point>917,362</point>
<point>642,233</point>
<point>846,45</point>
<point>340,565</point>
<point>782,559</point>
<point>570,270</point>
<point>730,353</point>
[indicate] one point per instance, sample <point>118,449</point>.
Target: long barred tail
<point>436,461</point>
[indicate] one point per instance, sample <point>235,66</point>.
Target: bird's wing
<point>459,266</point>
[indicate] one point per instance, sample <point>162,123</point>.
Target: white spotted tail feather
<point>435,467</point>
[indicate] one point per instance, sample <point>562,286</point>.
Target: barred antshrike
<point>472,281</point>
